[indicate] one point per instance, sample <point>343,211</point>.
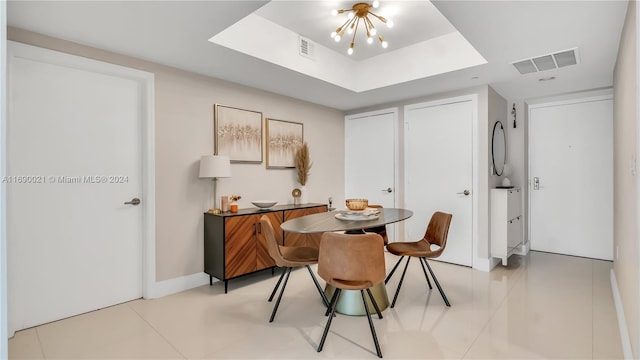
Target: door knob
<point>465,192</point>
<point>134,201</point>
<point>387,190</point>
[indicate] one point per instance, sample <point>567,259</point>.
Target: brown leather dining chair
<point>289,257</point>
<point>351,262</point>
<point>380,230</point>
<point>436,234</point>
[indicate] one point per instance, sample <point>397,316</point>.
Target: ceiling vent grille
<point>548,61</point>
<point>306,47</point>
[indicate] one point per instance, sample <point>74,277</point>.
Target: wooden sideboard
<point>234,244</point>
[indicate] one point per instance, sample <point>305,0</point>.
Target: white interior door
<point>439,171</point>
<point>571,185</point>
<point>370,159</point>
<point>74,159</point>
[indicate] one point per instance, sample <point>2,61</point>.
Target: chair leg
<point>315,281</point>
<point>284,285</point>
<point>400,283</point>
<point>425,273</point>
<point>393,270</point>
<point>334,303</point>
<point>334,300</point>
<point>375,304</point>
<point>373,330</point>
<point>435,279</point>
<point>284,271</point>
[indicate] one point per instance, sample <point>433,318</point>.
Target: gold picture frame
<point>238,134</point>
<point>283,140</point>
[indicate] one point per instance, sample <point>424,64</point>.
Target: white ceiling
<point>176,33</point>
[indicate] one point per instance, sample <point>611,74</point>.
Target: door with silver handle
<point>134,201</point>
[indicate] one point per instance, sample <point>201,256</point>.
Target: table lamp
<point>214,167</point>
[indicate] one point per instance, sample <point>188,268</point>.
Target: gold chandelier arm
<point>378,17</point>
<point>355,31</point>
<point>368,21</point>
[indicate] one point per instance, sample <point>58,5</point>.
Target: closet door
<point>371,159</point>
<point>439,172</point>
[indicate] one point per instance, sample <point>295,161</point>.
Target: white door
<point>439,173</point>
<point>74,159</point>
<point>571,178</point>
<point>370,159</point>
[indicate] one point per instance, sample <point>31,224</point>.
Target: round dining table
<point>350,302</point>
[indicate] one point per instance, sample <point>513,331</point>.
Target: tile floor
<point>540,306</point>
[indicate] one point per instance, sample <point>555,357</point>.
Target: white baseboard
<point>622,323</point>
<point>523,249</point>
<point>176,285</point>
<point>485,264</point>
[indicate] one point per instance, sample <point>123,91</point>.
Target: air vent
<point>306,47</point>
<point>547,62</point>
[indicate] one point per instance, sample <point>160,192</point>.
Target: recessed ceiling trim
<point>268,41</point>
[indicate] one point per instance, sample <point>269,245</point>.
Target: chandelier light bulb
<point>351,15</point>
<point>385,44</point>
<point>374,31</point>
<point>350,30</point>
<point>333,34</point>
<point>337,38</point>
<point>350,51</point>
<point>370,40</point>
<point>334,12</point>
<point>389,24</point>
<point>376,4</point>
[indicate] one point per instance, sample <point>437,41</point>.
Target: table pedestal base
<point>350,302</point>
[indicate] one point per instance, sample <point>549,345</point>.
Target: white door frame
<point>476,262</point>
<point>146,82</point>
<point>4,347</point>
<point>577,100</point>
<point>396,150</point>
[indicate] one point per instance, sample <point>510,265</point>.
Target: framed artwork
<point>238,134</point>
<point>283,139</point>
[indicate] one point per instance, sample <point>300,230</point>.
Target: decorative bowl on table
<point>357,204</point>
<point>264,204</point>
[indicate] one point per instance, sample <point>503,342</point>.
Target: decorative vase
<point>303,194</point>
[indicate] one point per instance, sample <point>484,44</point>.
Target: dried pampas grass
<point>303,163</point>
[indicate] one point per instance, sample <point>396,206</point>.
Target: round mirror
<point>498,148</point>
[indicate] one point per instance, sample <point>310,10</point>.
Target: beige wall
<point>184,105</point>
<point>489,103</point>
<point>626,260</point>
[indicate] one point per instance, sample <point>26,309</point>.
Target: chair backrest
<point>380,230</point>
<point>438,229</point>
<point>273,248</point>
<point>351,257</point>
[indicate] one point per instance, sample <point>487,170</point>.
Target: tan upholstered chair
<point>380,230</point>
<point>351,262</point>
<point>288,257</point>
<point>436,234</point>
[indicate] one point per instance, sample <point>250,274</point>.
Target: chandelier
<point>359,13</point>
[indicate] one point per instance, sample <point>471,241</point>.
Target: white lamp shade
<point>215,166</point>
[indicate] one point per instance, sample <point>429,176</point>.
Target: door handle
<point>536,183</point>
<point>134,201</point>
<point>465,192</point>
<point>387,190</point>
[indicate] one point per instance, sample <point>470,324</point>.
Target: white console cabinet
<point>506,222</point>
